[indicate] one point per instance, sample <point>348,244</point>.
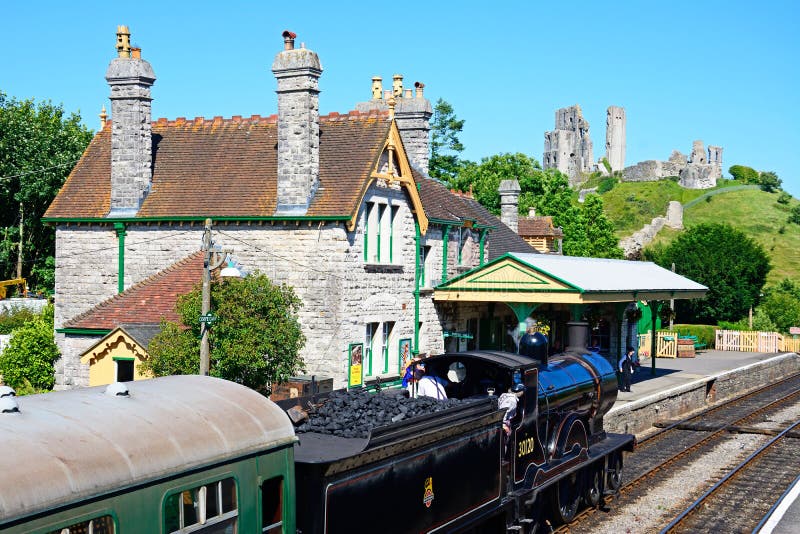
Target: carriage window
<point>272,506</point>
<point>209,509</point>
<point>98,525</point>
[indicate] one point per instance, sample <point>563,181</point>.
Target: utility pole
<point>671,304</point>
<point>19,249</point>
<point>205,359</point>
<point>211,261</point>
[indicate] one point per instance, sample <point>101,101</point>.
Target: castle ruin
<point>700,170</point>
<point>568,148</point>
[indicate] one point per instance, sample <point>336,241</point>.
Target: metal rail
<point>687,521</point>
<point>687,442</point>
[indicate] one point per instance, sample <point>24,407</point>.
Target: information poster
<point>405,354</point>
<point>356,360</point>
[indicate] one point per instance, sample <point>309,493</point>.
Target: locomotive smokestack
<point>578,334</point>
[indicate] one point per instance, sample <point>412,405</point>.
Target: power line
<point>10,176</point>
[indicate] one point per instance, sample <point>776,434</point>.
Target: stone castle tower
<point>568,148</point>
<point>615,137</point>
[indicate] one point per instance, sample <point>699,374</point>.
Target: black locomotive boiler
<point>457,469</point>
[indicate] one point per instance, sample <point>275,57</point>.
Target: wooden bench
<point>697,344</point>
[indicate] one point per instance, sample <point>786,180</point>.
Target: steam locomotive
<point>198,454</point>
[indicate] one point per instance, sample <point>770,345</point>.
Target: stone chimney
<point>509,203</point>
<point>297,71</point>
<point>413,117</point>
<point>130,78</point>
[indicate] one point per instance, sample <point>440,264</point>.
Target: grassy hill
<point>631,205</point>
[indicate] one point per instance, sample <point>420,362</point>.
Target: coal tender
<point>378,461</point>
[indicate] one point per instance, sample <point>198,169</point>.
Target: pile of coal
<point>352,414</point>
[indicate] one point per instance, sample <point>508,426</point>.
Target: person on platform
<point>626,369</point>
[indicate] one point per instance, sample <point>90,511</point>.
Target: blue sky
<point>723,72</point>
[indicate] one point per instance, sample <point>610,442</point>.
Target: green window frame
<point>102,524</point>
<point>203,508</point>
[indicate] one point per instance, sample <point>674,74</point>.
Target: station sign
<point>794,330</point>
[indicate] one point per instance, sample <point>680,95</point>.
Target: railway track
<point>680,442</point>
<point>745,495</point>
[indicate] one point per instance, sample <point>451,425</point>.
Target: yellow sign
<point>355,375</point>
<point>427,497</point>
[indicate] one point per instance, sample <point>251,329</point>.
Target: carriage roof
<point>66,446</point>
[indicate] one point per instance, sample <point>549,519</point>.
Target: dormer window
<point>379,232</point>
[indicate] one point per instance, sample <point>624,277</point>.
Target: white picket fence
<point>736,340</point>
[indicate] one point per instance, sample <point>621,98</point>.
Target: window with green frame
<point>97,525</point>
<point>379,222</point>
<point>214,506</point>
<point>272,506</point>
<point>388,326</point>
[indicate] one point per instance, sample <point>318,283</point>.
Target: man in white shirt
<point>427,385</point>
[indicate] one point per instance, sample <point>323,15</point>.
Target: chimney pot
<point>136,52</point>
<point>377,87</point>
<point>288,40</point>
<point>397,86</point>
<point>387,94</point>
<point>123,41</point>
<point>407,93</point>
<point>420,89</point>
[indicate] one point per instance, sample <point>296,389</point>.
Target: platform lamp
<point>212,261</point>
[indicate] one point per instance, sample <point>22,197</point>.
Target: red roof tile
<point>218,168</point>
<point>538,227</point>
<point>147,302</point>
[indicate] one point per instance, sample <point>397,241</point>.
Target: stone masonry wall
<point>323,262</point>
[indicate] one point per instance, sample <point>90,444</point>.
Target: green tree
<point>769,181</point>
<point>601,241</point>
<point>444,163</point>
<point>39,145</point>
<point>255,341</point>
<point>732,266</point>
<point>27,363</point>
<point>587,231</point>
<point>745,174</point>
<point>781,303</point>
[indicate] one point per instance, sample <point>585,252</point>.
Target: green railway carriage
<point>174,454</point>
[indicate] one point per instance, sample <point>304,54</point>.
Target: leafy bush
<point>704,332</point>
<point>15,318</point>
<point>781,304</point>
<point>769,181</point>
<point>29,359</point>
<point>747,175</point>
<point>256,340</point>
<point>606,185</point>
<point>784,197</point>
<point>794,215</point>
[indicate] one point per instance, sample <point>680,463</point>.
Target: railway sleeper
<point>773,430</point>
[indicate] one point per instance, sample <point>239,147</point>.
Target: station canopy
<point>545,278</point>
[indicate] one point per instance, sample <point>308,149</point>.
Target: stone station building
<point>339,207</point>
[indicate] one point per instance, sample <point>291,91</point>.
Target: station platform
<point>675,372</point>
<point>683,385</point>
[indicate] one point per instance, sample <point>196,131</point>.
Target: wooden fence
<point>666,344</point>
<point>790,345</point>
<point>755,341</point>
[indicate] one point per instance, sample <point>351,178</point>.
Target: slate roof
<point>440,203</point>
<point>600,274</point>
<point>147,302</point>
<point>538,227</point>
<point>227,168</point>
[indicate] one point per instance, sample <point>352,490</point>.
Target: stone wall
<point>700,170</point>
<point>323,262</point>
<point>638,417</point>
<point>635,243</point>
